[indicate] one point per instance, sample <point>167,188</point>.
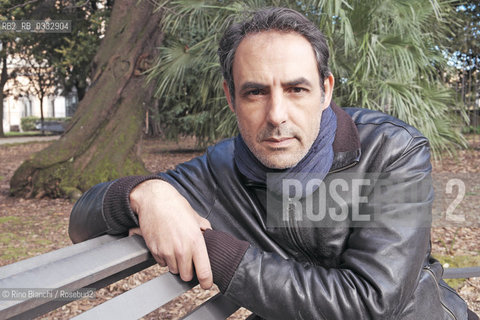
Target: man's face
<point>278,97</point>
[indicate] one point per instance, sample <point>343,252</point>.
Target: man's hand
<point>172,230</point>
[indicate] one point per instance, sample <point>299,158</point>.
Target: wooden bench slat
<point>98,262</point>
<point>217,307</point>
<point>34,262</point>
<point>456,273</point>
<point>81,270</point>
<point>140,300</point>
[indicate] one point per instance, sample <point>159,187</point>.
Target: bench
<point>99,262</point>
<point>51,126</point>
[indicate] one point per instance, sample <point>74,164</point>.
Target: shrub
<point>28,123</point>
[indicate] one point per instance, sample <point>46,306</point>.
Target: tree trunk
<point>101,141</point>
<point>42,118</point>
<point>2,133</point>
<point>3,81</point>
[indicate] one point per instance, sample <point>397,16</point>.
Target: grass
<point>22,243</point>
<point>23,134</point>
<point>18,247</point>
<point>11,219</point>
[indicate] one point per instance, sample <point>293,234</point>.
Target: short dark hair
<point>280,19</point>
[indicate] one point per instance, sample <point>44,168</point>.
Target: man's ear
<point>328,84</point>
<point>228,96</point>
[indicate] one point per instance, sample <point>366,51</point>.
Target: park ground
<point>29,227</point>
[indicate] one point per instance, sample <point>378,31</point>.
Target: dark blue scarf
<point>315,164</point>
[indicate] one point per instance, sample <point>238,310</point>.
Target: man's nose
<point>277,109</point>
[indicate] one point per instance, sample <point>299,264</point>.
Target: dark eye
<point>297,89</point>
<point>254,92</point>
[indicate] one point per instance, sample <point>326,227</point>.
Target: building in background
<point>14,109</point>
<point>20,100</point>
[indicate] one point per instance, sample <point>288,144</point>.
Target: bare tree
<point>42,82</point>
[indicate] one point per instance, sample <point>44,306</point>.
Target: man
<point>277,82</point>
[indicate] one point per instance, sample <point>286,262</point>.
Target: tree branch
<point>22,5</point>
<point>78,6</point>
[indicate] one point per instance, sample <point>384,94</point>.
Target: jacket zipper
<point>429,270</point>
<point>291,229</point>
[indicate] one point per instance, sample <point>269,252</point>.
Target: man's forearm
<point>278,288</point>
<point>86,219</point>
<point>105,209</point>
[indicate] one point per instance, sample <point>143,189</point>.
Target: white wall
<point>14,109</point>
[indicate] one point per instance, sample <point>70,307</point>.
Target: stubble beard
<point>278,158</point>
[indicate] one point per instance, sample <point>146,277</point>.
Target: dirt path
<point>29,227</point>
<point>12,140</point>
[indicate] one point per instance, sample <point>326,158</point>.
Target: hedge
<point>28,123</point>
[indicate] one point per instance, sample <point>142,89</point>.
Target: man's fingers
<point>172,230</point>
<point>160,261</point>
<point>185,266</point>
<point>133,231</point>
<point>204,224</point>
<point>172,264</point>
<point>202,266</point>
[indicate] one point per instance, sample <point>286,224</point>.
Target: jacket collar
<point>346,145</point>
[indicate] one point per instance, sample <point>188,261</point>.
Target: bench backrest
<point>99,262</point>
<point>95,264</point>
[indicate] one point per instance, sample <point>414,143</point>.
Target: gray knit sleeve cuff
<point>116,204</point>
<point>225,253</point>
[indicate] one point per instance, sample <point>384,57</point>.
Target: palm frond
<point>385,55</point>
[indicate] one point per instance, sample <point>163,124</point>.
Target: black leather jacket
<point>303,271</point>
